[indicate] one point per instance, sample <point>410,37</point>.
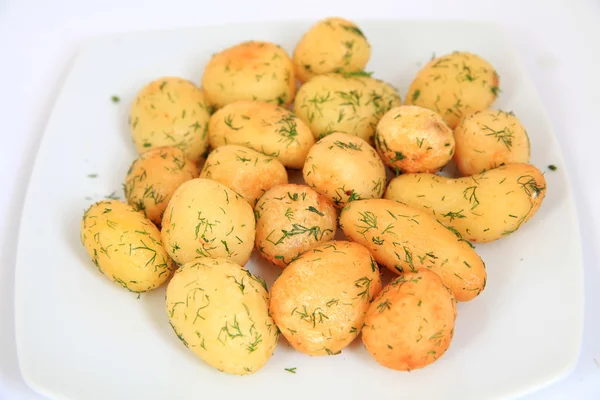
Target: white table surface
<point>558,41</point>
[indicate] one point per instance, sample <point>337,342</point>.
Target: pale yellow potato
<point>244,170</point>
<point>220,311</point>
<point>348,103</point>
<point>454,86</point>
<point>125,246</point>
<point>405,239</point>
<point>170,112</point>
<point>266,128</point>
<point>488,139</point>
<point>331,45</point>
<point>207,219</point>
<point>153,178</point>
<point>319,301</point>
<point>291,219</point>
<point>250,71</point>
<point>480,208</point>
<point>410,324</point>
<point>344,168</point>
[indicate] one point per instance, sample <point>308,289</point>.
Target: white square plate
<point>81,337</point>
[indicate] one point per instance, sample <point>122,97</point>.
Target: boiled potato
<point>207,219</point>
<point>344,168</point>
<point>488,139</point>
<point>220,311</point>
<point>482,207</point>
<point>244,170</point>
<point>330,45</point>
<point>170,112</point>
<point>454,86</point>
<point>319,301</point>
<point>125,246</point>
<point>153,178</point>
<point>291,219</point>
<point>344,103</point>
<point>414,139</point>
<point>250,71</point>
<point>410,324</point>
<point>405,239</point>
<point>267,128</point>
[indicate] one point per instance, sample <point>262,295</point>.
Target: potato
<point>244,170</point>
<point>480,208</point>
<point>125,246</point>
<point>454,86</point>
<point>488,139</point>
<point>220,311</point>
<point>348,103</point>
<point>331,45</point>
<point>405,239</point>
<point>344,168</point>
<point>291,219</point>
<point>410,324</point>
<point>414,139</point>
<point>153,178</point>
<point>207,219</point>
<point>170,112</point>
<point>319,301</point>
<point>250,71</point>
<point>267,128</point>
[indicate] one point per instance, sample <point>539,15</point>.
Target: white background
<point>558,41</point>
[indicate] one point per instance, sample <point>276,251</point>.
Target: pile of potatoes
<point>211,185</point>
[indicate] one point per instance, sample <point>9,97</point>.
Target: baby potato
<point>319,301</point>
<point>348,103</point>
<point>480,208</point>
<point>344,168</point>
<point>405,239</point>
<point>125,246</point>
<point>266,128</point>
<point>414,139</point>
<point>488,139</point>
<point>170,112</point>
<point>220,311</point>
<point>331,45</point>
<point>250,71</point>
<point>291,219</point>
<point>244,170</point>
<point>153,178</point>
<point>207,219</point>
<point>454,86</point>
<point>410,324</point>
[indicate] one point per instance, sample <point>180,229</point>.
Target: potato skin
<point>125,246</point>
<point>244,170</point>
<point>481,208</point>
<point>220,311</point>
<point>266,128</point>
<point>331,45</point>
<point>406,239</point>
<point>319,301</point>
<point>291,219</point>
<point>410,324</point>
<point>344,168</point>
<point>454,85</point>
<point>251,70</point>
<point>207,219</point>
<point>170,111</point>
<point>488,139</point>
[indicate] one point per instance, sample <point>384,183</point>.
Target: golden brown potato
<point>319,301</point>
<point>291,219</point>
<point>488,139</point>
<point>454,86</point>
<point>410,324</point>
